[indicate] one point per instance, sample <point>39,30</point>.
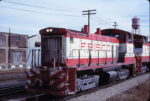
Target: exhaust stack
<point>98,31</point>
<point>86,28</point>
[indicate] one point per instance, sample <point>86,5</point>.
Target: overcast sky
<point>29,16</point>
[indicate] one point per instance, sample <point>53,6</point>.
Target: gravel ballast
<point>103,94</point>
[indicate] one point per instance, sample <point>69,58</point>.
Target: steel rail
<point>12,88</point>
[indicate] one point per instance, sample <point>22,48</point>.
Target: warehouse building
<point>13,50</point>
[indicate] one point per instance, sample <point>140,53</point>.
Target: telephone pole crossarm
<point>115,25</point>
<point>88,13</point>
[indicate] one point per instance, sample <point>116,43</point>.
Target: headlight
<point>49,30</point>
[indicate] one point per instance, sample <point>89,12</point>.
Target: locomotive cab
<point>52,76</point>
<point>138,43</point>
<point>52,47</point>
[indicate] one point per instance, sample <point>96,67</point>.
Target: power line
<point>109,21</point>
<point>36,6</point>
<point>101,22</point>
<point>104,21</point>
<point>33,11</point>
<point>21,9</point>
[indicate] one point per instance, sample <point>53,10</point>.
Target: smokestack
<point>86,28</point>
<point>98,31</point>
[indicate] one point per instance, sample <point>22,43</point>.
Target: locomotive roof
<point>61,31</point>
<point>119,31</point>
<point>52,31</point>
<point>74,33</point>
<point>104,31</point>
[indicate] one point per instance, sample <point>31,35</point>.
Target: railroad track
<point>90,91</point>
<point>12,88</point>
<point>44,97</point>
<point>103,86</point>
<point>13,71</point>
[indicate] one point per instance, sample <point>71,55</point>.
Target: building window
<point>2,40</point>
<point>17,57</point>
<point>17,38</point>
<point>2,56</point>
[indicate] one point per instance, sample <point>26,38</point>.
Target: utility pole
<point>149,20</point>
<point>9,53</point>
<point>149,25</point>
<point>89,12</point>
<point>115,25</point>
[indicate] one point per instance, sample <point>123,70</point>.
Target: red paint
<point>83,45</point>
<point>55,75</point>
<point>58,82</point>
<point>145,58</point>
<point>94,37</point>
<point>103,61</point>
<point>97,46</point>
<point>72,79</point>
<point>129,60</point>
<point>86,28</point>
<point>90,46</point>
<point>74,62</point>
<point>98,31</point>
<point>100,47</point>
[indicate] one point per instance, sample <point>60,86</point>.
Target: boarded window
<point>18,41</point>
<point>17,57</point>
<point>17,38</point>
<point>2,40</point>
<point>2,56</point>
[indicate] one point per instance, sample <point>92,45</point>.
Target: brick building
<point>13,50</point>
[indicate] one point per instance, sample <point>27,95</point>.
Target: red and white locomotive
<point>74,61</point>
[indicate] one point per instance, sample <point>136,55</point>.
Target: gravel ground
<point>103,94</point>
<point>12,76</point>
<point>138,93</point>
